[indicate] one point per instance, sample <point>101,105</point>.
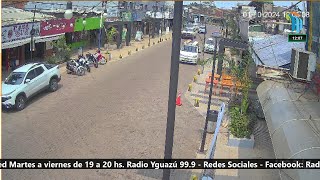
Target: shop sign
<point>19,31</point>
<point>56,26</point>
<point>91,24</point>
<point>126,16</point>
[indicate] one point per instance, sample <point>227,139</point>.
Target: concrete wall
<point>244,29</point>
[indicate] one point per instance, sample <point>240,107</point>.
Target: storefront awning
<point>14,44</point>
<point>48,38</point>
<point>38,39</point>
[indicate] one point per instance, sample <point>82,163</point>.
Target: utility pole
<point>174,76</point>
<point>100,30</point>
<point>162,23</point>
<point>32,33</point>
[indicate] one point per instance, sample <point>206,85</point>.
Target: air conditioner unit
<point>303,64</point>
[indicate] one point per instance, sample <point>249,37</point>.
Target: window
<point>15,78</point>
<point>39,70</point>
<point>190,49</point>
<point>211,42</point>
<point>31,75</point>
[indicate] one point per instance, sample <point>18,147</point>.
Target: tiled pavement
<point>263,146</point>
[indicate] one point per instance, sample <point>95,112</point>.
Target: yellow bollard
<point>190,87</point>
<point>137,49</point>
<point>199,71</point>
<point>196,102</point>
<point>194,177</point>
<point>120,56</point>
<point>195,78</point>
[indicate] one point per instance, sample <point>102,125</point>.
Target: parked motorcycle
<point>75,67</point>
<point>84,62</point>
<point>101,59</point>
<point>92,60</point>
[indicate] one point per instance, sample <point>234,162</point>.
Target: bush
<point>63,50</point>
<point>240,123</point>
<point>239,126</point>
<point>52,60</point>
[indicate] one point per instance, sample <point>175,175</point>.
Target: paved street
<point>117,111</point>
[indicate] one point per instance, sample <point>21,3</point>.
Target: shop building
<point>16,37</point>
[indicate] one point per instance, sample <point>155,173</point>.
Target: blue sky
<point>230,4</point>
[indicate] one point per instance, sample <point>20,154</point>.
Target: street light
<point>68,14</point>
<point>204,133</point>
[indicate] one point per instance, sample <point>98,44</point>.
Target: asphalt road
<point>117,111</point>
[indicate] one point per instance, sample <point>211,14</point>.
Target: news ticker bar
<point>160,164</point>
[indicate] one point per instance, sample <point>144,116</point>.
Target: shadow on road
<point>31,100</point>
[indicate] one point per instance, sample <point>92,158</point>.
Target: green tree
<point>239,126</point>
<point>62,50</point>
<point>111,34</point>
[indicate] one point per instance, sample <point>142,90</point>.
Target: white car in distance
<point>188,33</point>
<point>209,46</point>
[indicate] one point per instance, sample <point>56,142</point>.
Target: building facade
<point>16,39</point>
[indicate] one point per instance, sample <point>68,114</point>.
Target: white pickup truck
<point>26,81</point>
<point>189,52</point>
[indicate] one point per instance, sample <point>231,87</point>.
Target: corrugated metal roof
<point>15,16</point>
<point>293,124</point>
<point>274,51</point>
